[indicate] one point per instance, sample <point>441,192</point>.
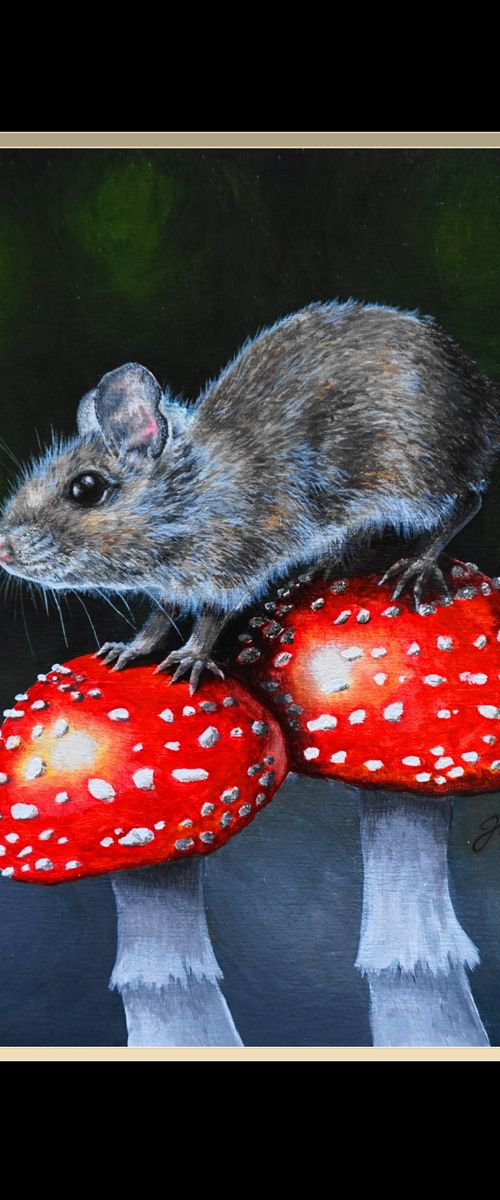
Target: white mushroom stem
<point>166,970</point>
<point>412,950</point>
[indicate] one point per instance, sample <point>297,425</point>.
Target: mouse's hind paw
<point>186,661</point>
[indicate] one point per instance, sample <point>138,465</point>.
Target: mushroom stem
<point>166,970</point>
<point>412,948</point>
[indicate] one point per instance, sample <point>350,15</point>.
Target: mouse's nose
<point>5,549</point>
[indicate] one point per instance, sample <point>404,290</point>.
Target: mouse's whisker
<point>33,655</point>
<point>89,618</point>
<point>166,614</point>
<point>107,600</point>
<point>63,627</point>
<point>13,457</point>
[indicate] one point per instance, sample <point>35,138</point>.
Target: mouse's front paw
<point>188,660</point>
<point>418,575</point>
<point>119,653</point>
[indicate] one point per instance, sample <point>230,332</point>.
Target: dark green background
<point>173,258</point>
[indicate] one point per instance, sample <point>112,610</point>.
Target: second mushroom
<point>405,707</point>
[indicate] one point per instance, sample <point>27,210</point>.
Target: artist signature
<point>489,827</point>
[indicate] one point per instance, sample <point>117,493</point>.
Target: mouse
<point>340,421</point>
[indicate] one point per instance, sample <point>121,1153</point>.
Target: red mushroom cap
<point>371,692</point>
<point>101,770</point>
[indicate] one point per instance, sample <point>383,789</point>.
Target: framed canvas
<point>172,257</point>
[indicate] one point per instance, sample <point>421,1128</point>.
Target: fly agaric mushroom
<point>405,706</point>
<point>102,772</point>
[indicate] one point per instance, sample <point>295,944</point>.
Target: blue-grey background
<point>172,258</point>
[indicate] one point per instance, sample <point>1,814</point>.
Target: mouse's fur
<point>340,420</point>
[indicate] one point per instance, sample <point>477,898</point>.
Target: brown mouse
<point>336,423</point>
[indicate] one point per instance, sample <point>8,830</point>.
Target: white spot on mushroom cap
<point>95,693</point>
<point>24,853</point>
<point>363,616</point>
<point>62,841</point>
<point>378,652</point>
<point>119,714</point>
<point>323,722</point>
<point>38,705</point>
<point>373,764</point>
<point>227,797</point>
<point>159,825</point>
<point>440,779</point>
<point>60,670</point>
<point>237,732</point>
<point>392,611</point>
<point>137,837</point>
<point>37,731</point>
<point>2,851</point>
<point>339,756</point>
<point>444,643</point>
<point>413,649</point>
<point>35,767</point>
<point>172,746</point>
<point>468,677</point>
<point>411,760</point>
<point>184,843</point>
<point>138,746</point>
<point>444,713</point>
<point>3,777</point>
<point>60,727</point>
<point>21,696</point>
<point>441,763</point>
<point>423,777</point>
<point>188,711</point>
<point>455,772</point>
<point>187,775</point>
<point>471,756</point>
<point>144,778</point>
<point>44,864</point>
<point>12,743</point>
<point>12,837</point>
<point>380,678</point>
<point>24,812</point>
<point>167,715</point>
<point>342,617</point>
<point>100,789</point>
<point>434,680</point>
<point>61,798</point>
<point>489,711</point>
<point>311,752</point>
<point>495,765</point>
<point>480,641</point>
<point>352,653</point>
<point>489,739</point>
<point>46,835</point>
<point>209,737</point>
<point>437,750</point>
<point>260,728</point>
<point>357,717</point>
<point>8,872</point>
<point>107,841</point>
<point>15,713</point>
<point>206,809</point>
<point>72,865</point>
<point>282,659</point>
<point>394,711</point>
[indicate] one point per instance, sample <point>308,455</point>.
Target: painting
<point>294,842</point>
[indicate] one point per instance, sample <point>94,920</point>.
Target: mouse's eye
<point>87,489</point>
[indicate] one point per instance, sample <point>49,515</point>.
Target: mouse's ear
<point>127,408</point>
<point>86,419</point>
